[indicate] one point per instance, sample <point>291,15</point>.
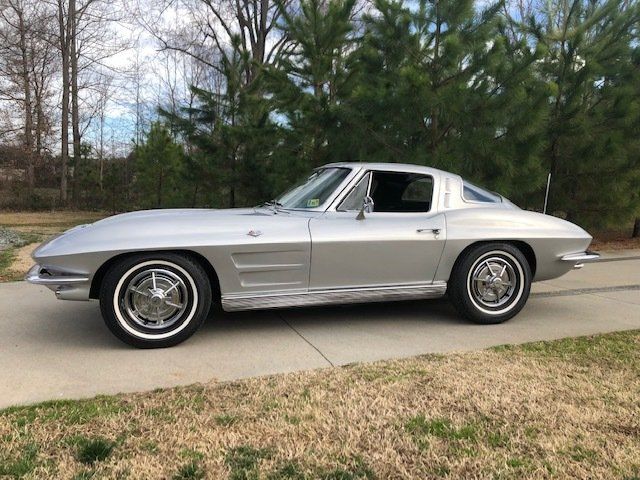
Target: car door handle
<point>435,231</point>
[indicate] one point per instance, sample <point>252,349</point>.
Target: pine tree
<point>232,136</point>
<point>442,84</point>
<point>157,163</point>
<point>309,82</point>
<point>593,123</point>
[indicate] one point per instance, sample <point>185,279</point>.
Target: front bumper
<point>66,285</point>
<point>580,258</point>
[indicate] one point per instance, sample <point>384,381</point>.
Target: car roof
<point>391,167</point>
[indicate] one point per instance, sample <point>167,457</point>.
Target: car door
<point>398,243</point>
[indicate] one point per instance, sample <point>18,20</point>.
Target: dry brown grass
<point>615,240</point>
<point>23,261</point>
<point>67,217</point>
<point>566,409</point>
<point>617,244</point>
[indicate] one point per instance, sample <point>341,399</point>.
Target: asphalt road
<point>51,349</point>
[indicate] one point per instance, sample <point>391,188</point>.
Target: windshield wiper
<point>272,203</point>
<point>276,205</point>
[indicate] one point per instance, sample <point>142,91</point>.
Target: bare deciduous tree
<point>64,13</point>
<point>23,75</point>
<point>84,40</point>
<point>209,30</point>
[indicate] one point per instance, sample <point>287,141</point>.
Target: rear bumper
<point>66,285</point>
<point>580,258</point>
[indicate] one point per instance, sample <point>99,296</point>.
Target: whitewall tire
<point>156,299</point>
<point>490,282</point>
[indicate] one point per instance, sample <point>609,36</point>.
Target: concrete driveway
<point>51,349</point>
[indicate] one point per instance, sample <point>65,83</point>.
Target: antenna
<point>546,194</point>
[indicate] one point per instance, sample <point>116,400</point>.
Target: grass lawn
<point>562,409</point>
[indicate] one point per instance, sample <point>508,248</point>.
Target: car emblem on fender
<point>254,233</point>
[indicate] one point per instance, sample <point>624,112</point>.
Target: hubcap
<point>493,282</point>
<point>155,298</point>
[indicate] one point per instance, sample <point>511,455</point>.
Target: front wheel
<point>490,283</point>
<point>155,300</point>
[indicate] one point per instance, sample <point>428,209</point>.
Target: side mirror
<point>367,207</point>
<point>367,204</point>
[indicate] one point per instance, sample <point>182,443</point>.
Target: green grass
<point>28,237</point>
<point>68,412</point>
<point>190,471</point>
<point>498,440</point>
<point>6,260</point>
<point>226,419</point>
<point>289,470</point>
<point>578,453</point>
<point>244,462</point>
<point>92,450</point>
<point>421,426</point>
<point>18,467</point>
<point>356,470</point>
<point>349,469</point>
<point>613,349</point>
<point>191,454</point>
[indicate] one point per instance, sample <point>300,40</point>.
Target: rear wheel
<point>490,283</point>
<point>155,300</point>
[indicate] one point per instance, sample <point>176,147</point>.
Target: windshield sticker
<point>313,202</point>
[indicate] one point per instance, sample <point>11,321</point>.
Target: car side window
<point>473,193</point>
<point>401,192</point>
<point>353,201</point>
<point>419,190</point>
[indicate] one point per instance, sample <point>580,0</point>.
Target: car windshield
<point>315,190</point>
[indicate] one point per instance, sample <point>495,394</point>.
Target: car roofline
<point>390,167</point>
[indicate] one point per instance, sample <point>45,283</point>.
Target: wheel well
<point>96,282</point>
<point>524,247</point>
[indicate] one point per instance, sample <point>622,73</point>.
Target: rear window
<point>473,193</point>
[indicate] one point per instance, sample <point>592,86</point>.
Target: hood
<point>178,215</point>
<point>168,229</point>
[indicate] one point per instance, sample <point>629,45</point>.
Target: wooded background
<point>127,104</point>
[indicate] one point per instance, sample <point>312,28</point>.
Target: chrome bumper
<point>580,258</point>
<point>67,286</point>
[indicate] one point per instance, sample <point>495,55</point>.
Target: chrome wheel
<point>495,282</point>
<point>155,298</point>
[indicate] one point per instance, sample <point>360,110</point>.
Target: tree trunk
<point>28,110</point>
<point>75,112</point>
<point>434,85</point>
<point>40,122</point>
<point>159,193</point>
<point>102,150</point>
<point>40,66</point>
<point>636,228</point>
<point>64,121</point>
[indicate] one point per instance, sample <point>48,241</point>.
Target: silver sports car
<point>350,232</point>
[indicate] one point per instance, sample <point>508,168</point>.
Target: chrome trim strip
<point>580,257</point>
<point>34,276</point>
<point>333,297</point>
